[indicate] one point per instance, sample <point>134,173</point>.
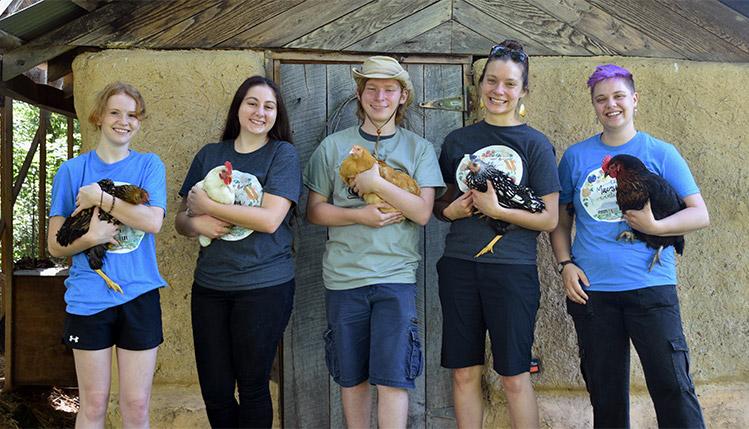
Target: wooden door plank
<point>674,31</point>
<point>406,29</point>
<point>306,389</point>
<point>292,23</point>
<point>341,89</point>
<point>530,26</point>
<point>415,123</point>
<point>597,24</point>
<point>440,82</point>
<point>359,24</point>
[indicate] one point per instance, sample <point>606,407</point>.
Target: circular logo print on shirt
<point>598,196</point>
<point>129,238</point>
<point>501,157</point>
<point>247,192</point>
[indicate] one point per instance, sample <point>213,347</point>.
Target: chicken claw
<point>489,247</point>
<point>627,235</point>
<point>112,285</point>
<point>656,258</point>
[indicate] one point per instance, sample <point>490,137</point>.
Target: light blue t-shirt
<point>360,255</point>
<point>612,265</point>
<point>132,265</point>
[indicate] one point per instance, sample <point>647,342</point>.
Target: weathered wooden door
<point>315,90</point>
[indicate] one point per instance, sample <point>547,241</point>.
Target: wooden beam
<point>6,209</point>
<point>42,242</point>
<point>9,42</point>
<point>62,39</point>
<point>43,96</point>
<point>26,57</point>
<point>89,5</point>
<point>24,171</point>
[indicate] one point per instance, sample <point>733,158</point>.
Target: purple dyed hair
<point>611,71</point>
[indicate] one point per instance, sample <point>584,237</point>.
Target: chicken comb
<point>227,164</point>
<point>605,163</point>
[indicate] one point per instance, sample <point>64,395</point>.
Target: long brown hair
<point>281,130</point>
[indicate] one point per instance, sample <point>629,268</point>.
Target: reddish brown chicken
<point>635,186</point>
<point>360,159</point>
<point>76,226</point>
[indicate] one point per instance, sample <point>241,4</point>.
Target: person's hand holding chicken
<point>198,202</point>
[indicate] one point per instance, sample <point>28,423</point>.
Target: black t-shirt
<point>520,151</point>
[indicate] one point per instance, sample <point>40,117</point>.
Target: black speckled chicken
<point>509,195</point>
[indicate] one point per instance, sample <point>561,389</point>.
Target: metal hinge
<point>459,103</point>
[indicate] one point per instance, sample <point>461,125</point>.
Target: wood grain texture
<point>306,389</point>
<point>598,25</point>
<point>439,82</point>
<point>535,24</point>
<point>405,29</point>
<point>672,30</point>
<point>716,18</point>
<point>139,23</point>
<point>471,17</point>
<point>213,25</point>
<point>358,24</point>
<point>291,23</point>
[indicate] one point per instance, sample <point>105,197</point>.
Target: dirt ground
<point>37,406</point>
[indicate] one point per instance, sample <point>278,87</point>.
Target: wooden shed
<point>309,48</point>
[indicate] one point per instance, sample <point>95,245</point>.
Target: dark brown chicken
<point>635,186</point>
<point>76,226</point>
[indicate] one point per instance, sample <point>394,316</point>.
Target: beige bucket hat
<point>381,67</point>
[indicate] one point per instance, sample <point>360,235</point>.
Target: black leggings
<point>236,335</point>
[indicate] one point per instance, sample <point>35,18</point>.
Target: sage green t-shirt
<point>361,255</point>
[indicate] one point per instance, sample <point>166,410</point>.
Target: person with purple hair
<point>610,294</point>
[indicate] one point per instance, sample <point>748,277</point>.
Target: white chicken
<point>217,184</point>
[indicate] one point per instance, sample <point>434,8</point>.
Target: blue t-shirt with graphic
<point>131,264</point>
<point>612,265</point>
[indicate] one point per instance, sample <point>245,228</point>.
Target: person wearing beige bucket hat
<point>371,255</point>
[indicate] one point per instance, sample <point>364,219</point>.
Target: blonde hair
<point>115,88</point>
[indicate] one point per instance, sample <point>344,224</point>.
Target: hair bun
<point>512,44</point>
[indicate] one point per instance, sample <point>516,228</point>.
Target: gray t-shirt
<point>361,255</point>
<point>520,151</point>
<point>259,259</point>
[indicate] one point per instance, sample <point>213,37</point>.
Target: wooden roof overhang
<point>48,34</point>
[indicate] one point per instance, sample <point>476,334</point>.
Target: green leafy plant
<point>26,209</point>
